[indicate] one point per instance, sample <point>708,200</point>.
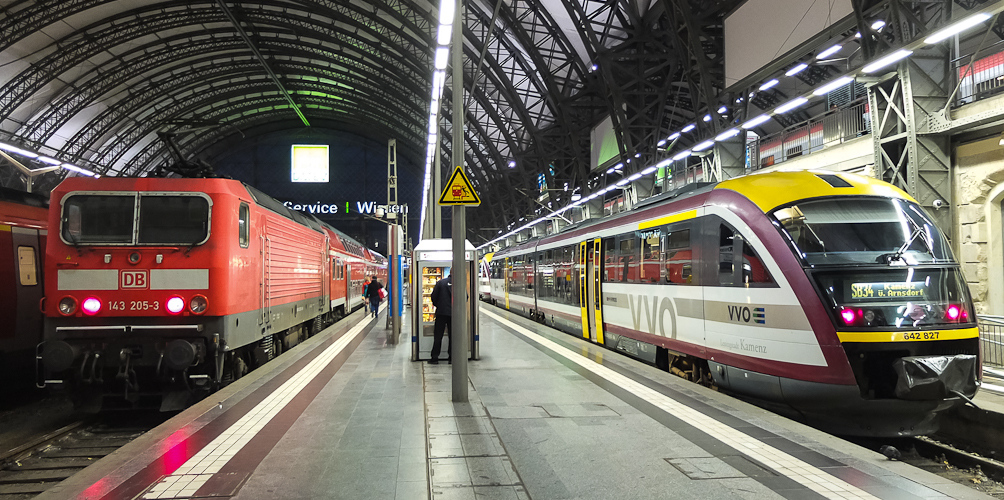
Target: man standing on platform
<point>442,299</point>
<point>374,292</point>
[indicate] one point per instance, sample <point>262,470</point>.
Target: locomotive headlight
<point>67,306</point>
<point>91,306</point>
<point>869,315</point>
<point>848,316</point>
<point>198,304</point>
<point>175,304</point>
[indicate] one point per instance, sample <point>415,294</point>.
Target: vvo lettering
<point>740,313</point>
<point>134,279</point>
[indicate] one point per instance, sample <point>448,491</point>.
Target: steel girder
<point>902,108</point>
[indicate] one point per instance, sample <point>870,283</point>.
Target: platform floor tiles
<point>540,426</point>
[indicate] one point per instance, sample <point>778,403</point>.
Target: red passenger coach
<point>23,223</point>
<point>163,288</point>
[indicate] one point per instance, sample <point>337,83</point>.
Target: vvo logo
<point>134,279</point>
<point>745,315</point>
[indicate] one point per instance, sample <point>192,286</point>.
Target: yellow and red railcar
<point>829,296</point>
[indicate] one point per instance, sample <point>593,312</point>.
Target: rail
<point>819,132</point>
<point>992,339</point>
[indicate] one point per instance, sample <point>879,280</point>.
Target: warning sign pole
<point>458,328</point>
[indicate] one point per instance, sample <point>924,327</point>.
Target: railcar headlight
<point>175,304</point>
<point>953,312</point>
<point>91,306</point>
<point>67,306</point>
<point>198,304</point>
<point>869,315</point>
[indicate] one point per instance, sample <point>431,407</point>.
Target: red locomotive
<point>164,288</point>
<point>23,223</point>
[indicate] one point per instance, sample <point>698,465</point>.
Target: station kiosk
<point>431,261</point>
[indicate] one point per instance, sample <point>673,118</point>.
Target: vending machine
<point>432,260</point>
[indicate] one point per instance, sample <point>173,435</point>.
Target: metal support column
<point>907,154</point>
<point>458,328</point>
<point>393,241</point>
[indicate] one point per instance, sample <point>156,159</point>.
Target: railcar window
<point>726,259</point>
<point>96,219</point>
<point>651,255</point>
<point>678,263</point>
<point>754,270</point>
<point>862,231</point>
<point>627,256</point>
<point>27,267</point>
<point>173,220</point>
<point>610,263</point>
<point>243,228</point>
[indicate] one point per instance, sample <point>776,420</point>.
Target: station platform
<point>348,415</point>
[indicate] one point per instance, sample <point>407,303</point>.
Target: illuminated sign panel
<point>310,163</point>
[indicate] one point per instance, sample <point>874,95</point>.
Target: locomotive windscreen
<point>173,220</point>
<point>91,219</point>
<point>111,219</point>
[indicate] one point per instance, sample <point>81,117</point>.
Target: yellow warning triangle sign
<point>459,191</point>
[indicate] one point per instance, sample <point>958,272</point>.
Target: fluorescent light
<point>446,10</point>
<point>769,84</point>
<point>722,110</point>
<point>829,52</point>
<point>662,143</point>
<point>655,167</point>
<point>622,182</point>
<point>681,155</point>
<point>50,161</point>
<point>74,168</point>
<point>445,31</point>
<point>887,60</point>
<point>688,128</point>
<point>958,27</point>
<point>442,57</point>
<point>674,135</point>
<point>877,25</point>
<point>798,68</point>
<point>790,105</point>
<point>17,150</point>
<point>728,134</point>
<point>704,145</point>
<point>707,118</point>
<point>835,84</point>
<point>635,176</point>
<point>755,121</point>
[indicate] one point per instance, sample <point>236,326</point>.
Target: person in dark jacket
<point>373,294</point>
<point>442,299</point>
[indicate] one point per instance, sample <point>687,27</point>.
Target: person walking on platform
<point>374,292</point>
<point>442,299</point>
<point>366,284</point>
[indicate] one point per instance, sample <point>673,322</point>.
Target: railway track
<point>38,465</point>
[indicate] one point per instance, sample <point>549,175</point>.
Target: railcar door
<point>590,289</point>
<point>28,286</point>
<point>507,269</point>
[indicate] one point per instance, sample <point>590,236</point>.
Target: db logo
<point>134,279</point>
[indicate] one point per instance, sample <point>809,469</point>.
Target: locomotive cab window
<point>738,263</point>
<point>243,229</point>
<point>173,220</point>
<point>98,219</point>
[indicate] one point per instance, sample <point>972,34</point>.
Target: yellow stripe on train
<point>669,219</point>
<point>912,336</point>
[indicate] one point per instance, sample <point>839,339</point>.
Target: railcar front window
<point>863,231</point>
<point>97,219</point>
<point>173,220</point>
